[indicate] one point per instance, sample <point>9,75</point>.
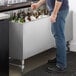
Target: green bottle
<point>22,17</point>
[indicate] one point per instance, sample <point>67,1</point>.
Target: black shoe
<point>56,69</point>
<point>52,61</point>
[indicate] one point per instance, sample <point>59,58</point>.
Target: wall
<point>72,4</point>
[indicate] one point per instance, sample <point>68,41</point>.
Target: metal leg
<point>22,66</point>
<point>68,49</point>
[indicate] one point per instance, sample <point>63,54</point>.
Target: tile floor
<point>33,62</point>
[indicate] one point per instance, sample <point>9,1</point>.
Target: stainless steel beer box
<point>30,38</point>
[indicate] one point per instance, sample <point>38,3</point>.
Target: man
<point>58,12</point>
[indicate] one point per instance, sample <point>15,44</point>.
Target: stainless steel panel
<point>37,37</point>
<point>15,40</point>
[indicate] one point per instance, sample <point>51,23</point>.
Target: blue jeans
<point>58,31</point>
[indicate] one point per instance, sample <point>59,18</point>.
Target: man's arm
<point>40,2</point>
<point>57,6</point>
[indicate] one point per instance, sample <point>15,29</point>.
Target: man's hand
<point>35,6</point>
<point>53,18</point>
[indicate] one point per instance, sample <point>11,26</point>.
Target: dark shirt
<point>51,4</point>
